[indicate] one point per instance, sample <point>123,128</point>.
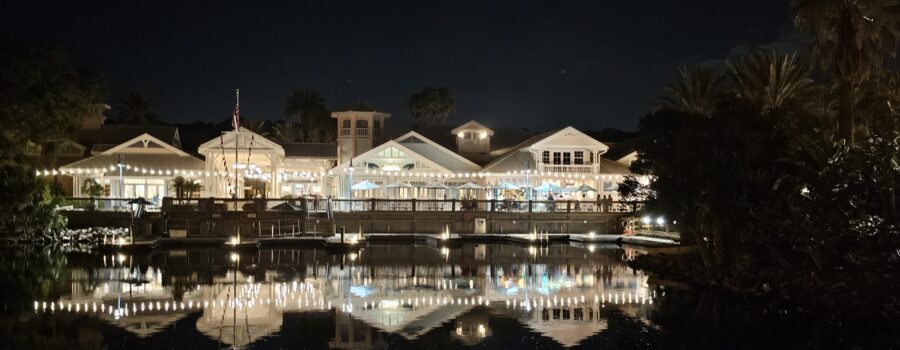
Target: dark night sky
<point>589,64</point>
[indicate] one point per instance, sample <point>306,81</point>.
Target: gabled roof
<point>607,166</point>
<point>434,163</point>
<point>472,125</point>
<point>518,157</point>
<point>566,131</point>
<point>432,150</point>
<point>144,138</point>
<point>619,150</point>
<point>116,134</point>
<point>501,141</point>
<point>226,140</point>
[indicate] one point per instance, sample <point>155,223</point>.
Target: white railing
<point>362,132</point>
<point>345,132</point>
<point>579,169</point>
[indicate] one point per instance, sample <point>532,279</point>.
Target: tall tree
<point>850,38</point>
<point>283,132</point>
<point>42,100</point>
<point>308,108</point>
<point>772,81</point>
<point>135,108</point>
<point>255,125</point>
<point>431,106</point>
<point>696,90</point>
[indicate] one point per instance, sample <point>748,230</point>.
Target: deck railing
<point>324,205</point>
<point>99,204</point>
<point>457,205</point>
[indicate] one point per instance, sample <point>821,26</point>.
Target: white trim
<point>216,143</point>
<point>395,144</point>
<point>145,137</point>
<point>442,148</point>
<point>600,145</point>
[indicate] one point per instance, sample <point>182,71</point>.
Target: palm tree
<point>283,132</point>
<point>771,81</point>
<point>697,90</point>
<point>255,125</point>
<point>851,38</point>
<point>191,187</point>
<point>134,108</point>
<point>430,105</point>
<point>178,182</point>
<point>308,108</point>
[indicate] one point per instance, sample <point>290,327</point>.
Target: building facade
<point>367,160</point>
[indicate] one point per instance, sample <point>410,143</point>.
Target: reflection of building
<point>350,333</point>
<point>472,326</point>
<point>408,291</point>
<point>567,324</point>
<point>428,162</point>
<point>252,311</point>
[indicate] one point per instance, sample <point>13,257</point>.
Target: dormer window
<point>473,137</point>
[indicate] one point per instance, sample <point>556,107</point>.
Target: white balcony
<point>569,169</point>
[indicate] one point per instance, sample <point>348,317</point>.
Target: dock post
<point>343,230</point>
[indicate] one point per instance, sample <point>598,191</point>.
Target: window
<point>592,157</point>
<point>567,158</point>
<point>377,124</point>
<point>557,158</point>
<point>545,157</point>
<point>345,124</point>
<point>362,124</point>
<point>469,135</point>
<point>579,157</point>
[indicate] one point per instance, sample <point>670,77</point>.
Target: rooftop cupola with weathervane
<point>473,138</point>
<point>359,127</point>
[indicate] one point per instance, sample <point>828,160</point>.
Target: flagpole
<point>237,127</point>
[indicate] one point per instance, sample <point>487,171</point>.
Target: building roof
<point>310,150</point>
<point>612,167</point>
<point>111,135</point>
<point>438,154</point>
<point>511,159</point>
<point>501,141</point>
<point>618,150</point>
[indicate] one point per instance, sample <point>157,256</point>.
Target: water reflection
<point>379,292</point>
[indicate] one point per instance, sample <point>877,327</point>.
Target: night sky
<point>589,64</point>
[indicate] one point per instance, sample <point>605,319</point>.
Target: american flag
<point>236,117</point>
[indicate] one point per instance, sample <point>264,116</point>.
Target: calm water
<point>411,297</point>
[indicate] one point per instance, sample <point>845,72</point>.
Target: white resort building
<point>368,160</point>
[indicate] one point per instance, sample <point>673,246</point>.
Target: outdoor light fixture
<point>660,220</point>
<point>646,220</point>
<point>591,234</point>
<point>235,257</point>
<point>233,241</point>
